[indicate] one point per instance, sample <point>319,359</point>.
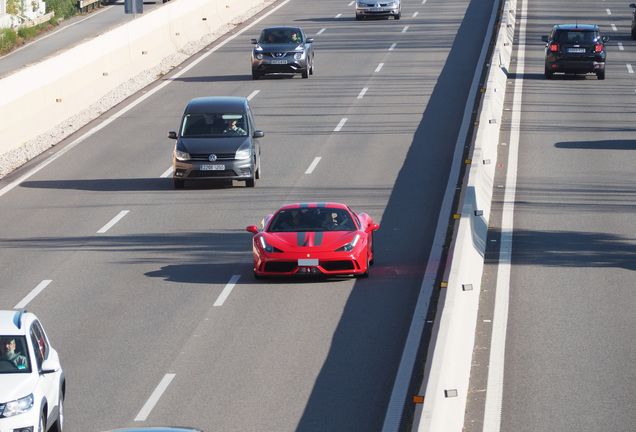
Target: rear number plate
<point>307,262</point>
<point>279,61</point>
<point>215,167</point>
<point>576,50</point>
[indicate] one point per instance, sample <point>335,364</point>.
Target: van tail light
<point>598,48</point>
<point>554,47</point>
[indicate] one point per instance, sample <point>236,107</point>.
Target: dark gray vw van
<point>217,140</point>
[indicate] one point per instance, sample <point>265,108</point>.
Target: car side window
<point>40,344</point>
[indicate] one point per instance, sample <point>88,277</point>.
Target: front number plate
<point>279,61</point>
<point>215,167</point>
<point>307,262</point>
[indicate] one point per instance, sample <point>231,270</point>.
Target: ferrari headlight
<point>17,406</point>
<point>244,151</point>
<point>351,245</point>
<point>266,246</point>
<point>181,155</point>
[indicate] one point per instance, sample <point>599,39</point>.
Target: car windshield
<point>213,125</point>
<point>14,356</point>
<point>312,219</point>
<point>280,37</point>
<point>577,36</point>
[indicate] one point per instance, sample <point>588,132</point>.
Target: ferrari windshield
<point>213,125</point>
<point>312,219</point>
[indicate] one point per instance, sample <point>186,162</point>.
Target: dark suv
<point>575,49</point>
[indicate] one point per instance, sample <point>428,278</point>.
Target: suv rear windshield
<point>576,36</point>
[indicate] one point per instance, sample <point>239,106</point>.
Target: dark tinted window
<point>40,344</point>
<point>312,219</point>
<point>576,36</point>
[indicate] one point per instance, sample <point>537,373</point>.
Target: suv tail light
<point>554,47</point>
<point>598,48</point>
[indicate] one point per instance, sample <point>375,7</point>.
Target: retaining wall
<point>40,97</point>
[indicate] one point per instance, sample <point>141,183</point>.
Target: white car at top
<point>378,9</point>
<point>32,383</point>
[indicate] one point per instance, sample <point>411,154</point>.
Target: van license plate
<point>215,167</point>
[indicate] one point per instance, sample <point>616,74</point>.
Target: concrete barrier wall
<point>448,364</point>
<point>40,97</point>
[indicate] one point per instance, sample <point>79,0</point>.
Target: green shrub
<point>62,8</point>
<point>8,40</point>
<point>27,32</point>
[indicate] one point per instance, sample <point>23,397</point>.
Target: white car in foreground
<point>32,382</point>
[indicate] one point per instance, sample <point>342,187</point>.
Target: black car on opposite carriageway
<point>575,49</point>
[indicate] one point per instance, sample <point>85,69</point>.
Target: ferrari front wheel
<point>366,270</point>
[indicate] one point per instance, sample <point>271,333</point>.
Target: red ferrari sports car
<point>314,239</point>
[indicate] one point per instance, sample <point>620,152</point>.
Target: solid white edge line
<point>400,386</point>
<point>154,397</point>
<point>496,363</point>
<point>113,221</point>
<point>227,290</point>
<point>313,165</point>
<point>34,292</point>
<point>142,98</point>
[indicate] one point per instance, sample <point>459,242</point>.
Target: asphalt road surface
<point>147,292</point>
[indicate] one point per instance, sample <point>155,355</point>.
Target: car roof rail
<point>17,318</point>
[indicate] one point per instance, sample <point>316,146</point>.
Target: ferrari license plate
<point>213,167</point>
<point>279,62</point>
<point>307,262</point>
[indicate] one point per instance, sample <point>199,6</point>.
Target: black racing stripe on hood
<point>302,238</point>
